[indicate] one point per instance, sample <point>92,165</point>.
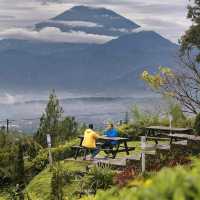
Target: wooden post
<point>7,125</point>
<point>143,145</point>
<point>170,123</point>
<point>49,149</point>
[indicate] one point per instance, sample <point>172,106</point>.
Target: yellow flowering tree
<point>181,85</point>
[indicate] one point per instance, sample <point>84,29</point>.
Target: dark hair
<point>90,126</point>
<point>111,124</point>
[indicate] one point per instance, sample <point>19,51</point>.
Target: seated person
<point>89,140</point>
<point>110,132</point>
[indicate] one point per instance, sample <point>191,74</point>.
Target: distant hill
<point>117,64</point>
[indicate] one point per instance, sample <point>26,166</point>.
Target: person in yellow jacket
<point>89,140</point>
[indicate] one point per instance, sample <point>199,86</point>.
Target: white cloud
<point>52,34</point>
<point>7,98</point>
<point>169,16</point>
<point>76,23</point>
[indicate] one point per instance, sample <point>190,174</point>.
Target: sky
<point>167,17</point>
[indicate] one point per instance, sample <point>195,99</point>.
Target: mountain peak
<point>88,10</point>
<point>99,15</point>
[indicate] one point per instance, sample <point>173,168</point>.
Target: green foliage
<point>179,118</point>
<point>57,183</point>
<point>176,184</point>
<point>52,123</point>
<point>98,178</point>
<point>40,186</point>
<point>7,165</point>
<point>197,125</point>
<point>128,130</point>
<point>2,139</point>
<point>58,153</point>
<point>19,169</point>
<point>191,39</point>
<point>143,119</point>
<point>49,122</point>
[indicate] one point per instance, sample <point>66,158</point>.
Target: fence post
<point>49,149</point>
<point>143,146</point>
<point>7,125</point>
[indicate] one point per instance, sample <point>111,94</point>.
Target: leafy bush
<point>39,187</point>
<point>122,178</point>
<point>129,130</point>
<point>143,119</point>
<point>98,178</point>
<point>57,183</point>
<point>58,153</point>
<point>197,125</point>
<point>177,183</point>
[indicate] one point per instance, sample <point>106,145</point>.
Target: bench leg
<point>114,153</point>
<point>76,153</point>
<point>126,147</point>
<point>85,154</point>
<point>171,140</point>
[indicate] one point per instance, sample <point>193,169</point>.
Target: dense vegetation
<point>175,184</point>
<point>25,174</point>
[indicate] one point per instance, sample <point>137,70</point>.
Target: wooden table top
<point>109,138</point>
<point>185,136</point>
<point>166,128</point>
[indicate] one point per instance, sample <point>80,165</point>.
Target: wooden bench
<point>156,139</point>
<point>77,149</point>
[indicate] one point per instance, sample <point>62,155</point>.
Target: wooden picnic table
<point>175,136</point>
<point>120,141</point>
<point>184,137</point>
<point>164,130</point>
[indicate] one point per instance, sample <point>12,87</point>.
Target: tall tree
<point>52,122</point>
<point>184,83</point>
<point>191,39</point>
<point>49,122</point>
<point>19,171</point>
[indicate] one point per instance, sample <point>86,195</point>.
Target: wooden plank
<point>119,162</point>
<point>182,142</point>
<point>166,128</point>
<point>124,149</point>
<point>109,138</point>
<point>157,138</point>
<point>185,136</point>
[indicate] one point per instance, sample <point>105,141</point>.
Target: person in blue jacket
<point>110,132</point>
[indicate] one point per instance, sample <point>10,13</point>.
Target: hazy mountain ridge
<point>116,64</point>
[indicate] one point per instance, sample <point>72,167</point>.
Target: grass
<point>136,144</point>
<point>40,187</point>
<point>4,196</point>
<point>4,193</point>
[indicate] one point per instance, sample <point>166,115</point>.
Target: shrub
<point>58,153</point>
<point>177,183</point>
<point>122,178</point>
<point>57,183</point>
<point>197,124</point>
<point>98,178</point>
<point>143,119</point>
<point>129,130</point>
